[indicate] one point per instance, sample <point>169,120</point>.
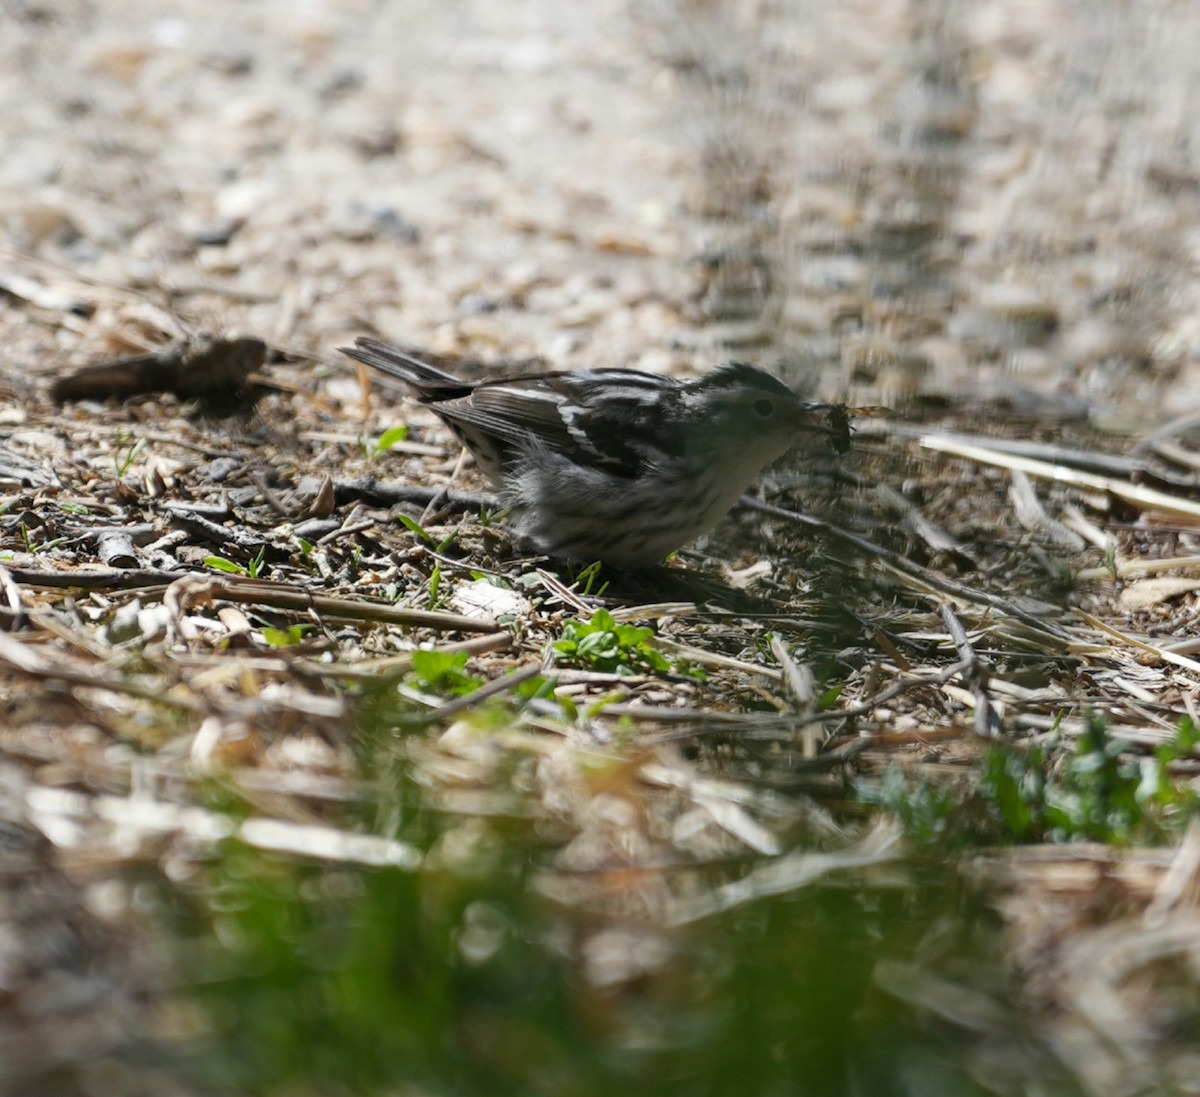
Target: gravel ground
<point>886,199</point>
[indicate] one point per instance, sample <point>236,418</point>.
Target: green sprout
<point>252,570</point>
<point>421,534</point>
<point>375,448</point>
<point>602,644</point>
<point>285,638</point>
<point>444,672</point>
<point>123,459</point>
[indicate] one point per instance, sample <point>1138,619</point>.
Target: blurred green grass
<point>458,979</point>
<point>463,978</point>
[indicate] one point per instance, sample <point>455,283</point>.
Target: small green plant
<point>444,672</point>
<point>285,638</point>
<point>588,578</point>
<point>1102,793</point>
<point>829,698</point>
<point>436,597</point>
<point>73,508</point>
<point>928,811</point>
<point>123,459</point>
<point>252,570</point>
<point>602,644</point>
<point>1110,560</point>
<point>1099,791</point>
<point>257,566</point>
<point>373,449</point>
<point>308,555</point>
<point>33,546</point>
<point>421,534</point>
<point>219,563</point>
<point>539,688</point>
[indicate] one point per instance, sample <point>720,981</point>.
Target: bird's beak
<point>829,419</point>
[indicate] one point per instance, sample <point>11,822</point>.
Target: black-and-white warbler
<point>615,465</point>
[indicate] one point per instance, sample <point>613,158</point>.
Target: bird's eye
<point>764,409</point>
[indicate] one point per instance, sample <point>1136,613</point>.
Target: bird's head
<point>744,413</point>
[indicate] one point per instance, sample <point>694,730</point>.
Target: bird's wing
<point>515,412</point>
<point>607,419</point>
<point>590,417</point>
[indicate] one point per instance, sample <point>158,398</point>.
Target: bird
<point>615,465</point>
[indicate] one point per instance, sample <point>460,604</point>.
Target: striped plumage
<point>616,465</point>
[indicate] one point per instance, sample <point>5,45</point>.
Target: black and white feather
<point>615,464</point>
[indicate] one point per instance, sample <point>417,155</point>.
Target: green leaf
<point>390,438</point>
<point>414,527</point>
<point>431,665</point>
<point>255,567</point>
<point>285,638</point>
<point>1187,736</point>
<point>536,688</point>
<point>830,698</point>
<point>444,670</point>
<point>219,563</point>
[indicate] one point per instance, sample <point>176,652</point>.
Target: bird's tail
<point>395,362</point>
